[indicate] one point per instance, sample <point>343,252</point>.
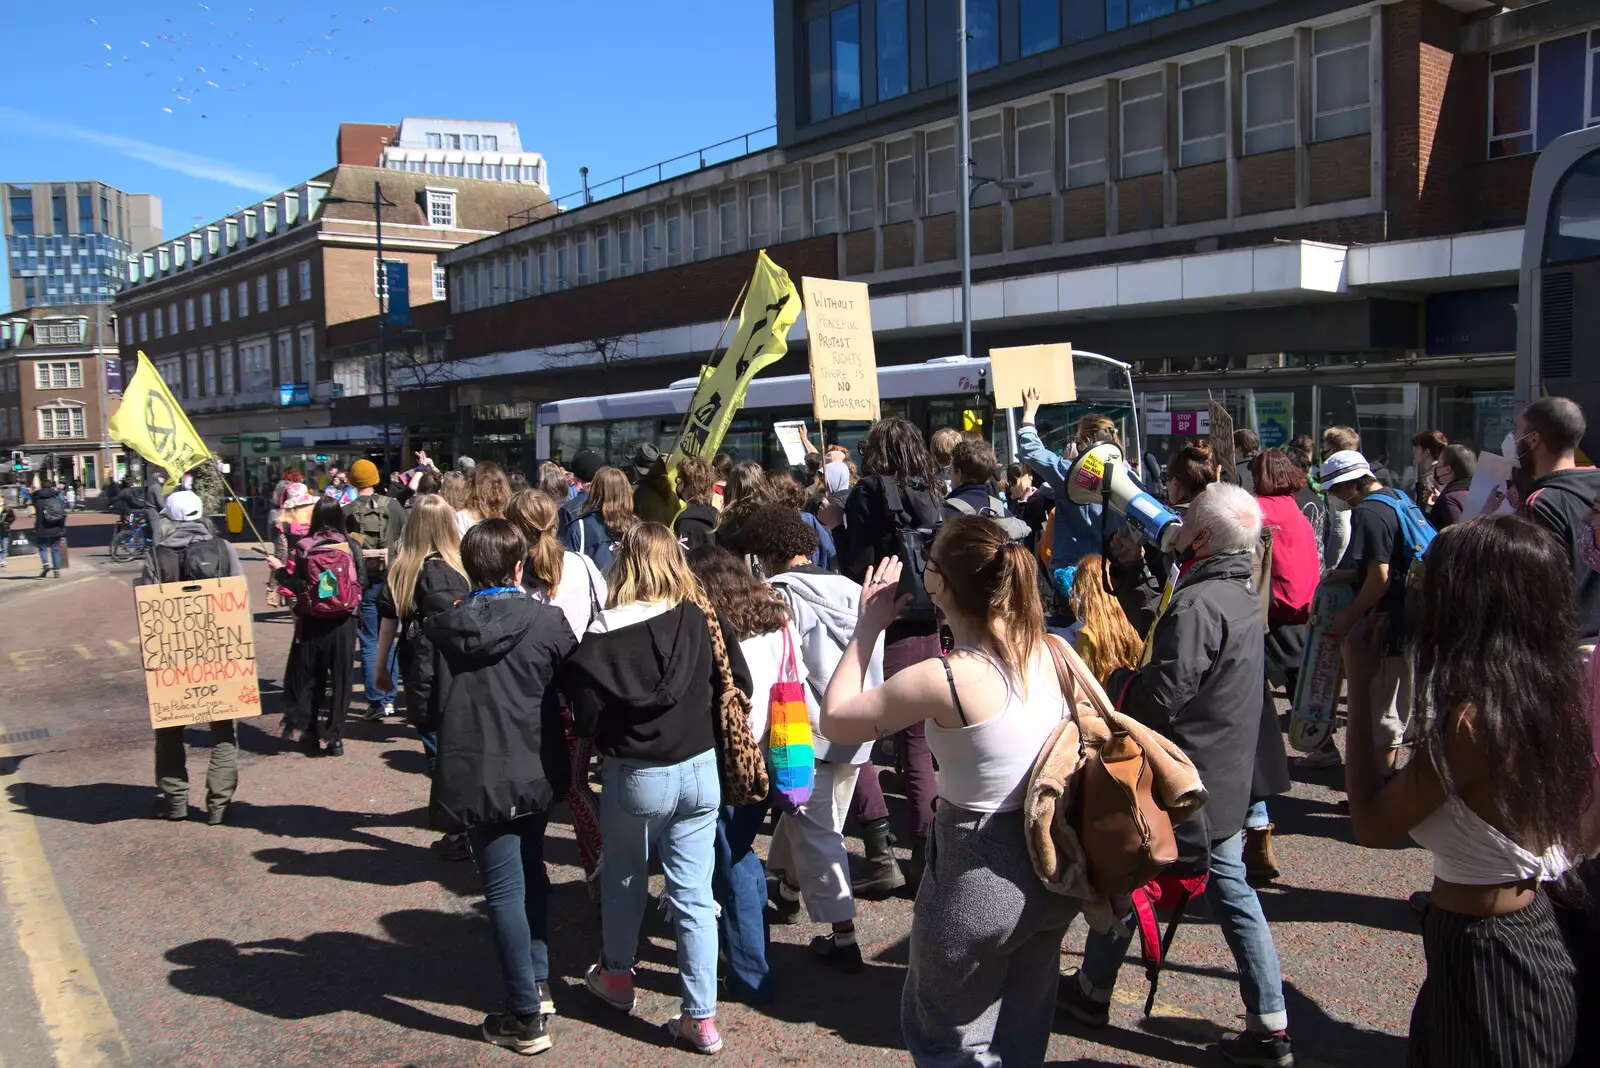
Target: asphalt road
<point>318,928</point>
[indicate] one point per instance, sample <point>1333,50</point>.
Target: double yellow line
<point>78,1020</point>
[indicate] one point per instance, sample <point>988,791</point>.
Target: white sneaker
<point>1326,756</point>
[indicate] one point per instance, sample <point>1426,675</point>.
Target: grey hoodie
<point>824,607</point>
<point>177,536</point>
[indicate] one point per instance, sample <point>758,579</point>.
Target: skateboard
<point>1316,693</point>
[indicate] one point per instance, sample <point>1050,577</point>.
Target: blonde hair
<point>453,488</point>
<point>1107,640</point>
<point>430,529</point>
<point>649,566</point>
<point>941,446</point>
<point>534,514</point>
<point>612,496</point>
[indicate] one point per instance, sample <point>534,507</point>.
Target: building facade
<point>454,148</point>
<point>60,382</point>
<point>70,242</point>
<point>235,313</point>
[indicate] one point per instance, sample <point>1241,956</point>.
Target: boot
<point>883,875</point>
<point>916,865</point>
<point>1260,863</point>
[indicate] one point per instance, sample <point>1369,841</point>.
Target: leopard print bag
<point>740,762</point>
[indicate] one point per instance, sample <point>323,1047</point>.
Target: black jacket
<point>41,528</point>
<point>1559,502</point>
<point>1452,501</point>
<point>1202,686</point>
<point>695,526</point>
<point>648,691</point>
<point>502,752</point>
<point>439,588</point>
<point>870,527</point>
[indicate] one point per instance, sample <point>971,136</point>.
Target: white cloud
<point>171,159</point>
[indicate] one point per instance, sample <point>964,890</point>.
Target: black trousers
<point>317,677</point>
<point>1500,991</point>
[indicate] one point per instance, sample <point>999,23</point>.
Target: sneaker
<point>613,988</point>
<point>1259,1049</point>
<point>388,710</point>
<point>1071,1000</point>
<point>453,847</point>
<point>289,733</point>
<point>526,1035</point>
<point>166,810</point>
<point>782,909</point>
<point>1419,902</point>
<point>44,572</point>
<point>309,745</point>
<point>844,956</point>
<point>56,574</point>
<point>375,711</point>
<point>333,749</point>
<point>547,1004</point>
<point>699,1035</point>
<point>1326,756</point>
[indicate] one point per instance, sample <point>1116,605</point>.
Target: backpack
<point>203,558</point>
<point>604,548</point>
<point>1416,533</point>
<point>912,540</point>
<point>995,511</point>
<point>370,518</point>
<point>327,566</point>
<point>51,511</point>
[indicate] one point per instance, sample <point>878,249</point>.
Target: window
<point>1040,23</point>
<point>859,182</point>
<point>304,268</point>
<point>700,227</point>
<point>674,217</point>
<point>1144,125</point>
<point>285,358</point>
<point>824,198</point>
<point>1511,88</point>
<point>1202,111</point>
<point>456,170</point>
<point>439,292</point>
<point>58,212</point>
<point>1269,96</point>
<point>226,357</point>
<point>255,365</point>
<point>211,372</point>
<point>441,207</point>
<point>470,142</point>
<point>172,318</point>
<point>85,213</point>
<point>624,247</point>
<point>60,423</point>
<point>988,155</point>
<point>491,143</point>
<point>191,379</point>
<point>940,170</point>
<point>650,240</point>
<point>728,219</point>
<point>144,326</point>
<point>434,140</point>
<point>563,280</point>
<point>188,313</point>
<point>223,311</point>
<point>63,332</point>
<point>308,355</point>
<point>602,253</point>
<point>244,299</point>
<point>452,142</point>
<point>1035,154</point>
<point>983,33</point>
<point>205,309</point>
<point>22,214</point>
<point>543,273</point>
<point>1341,86</point>
<point>62,375</point>
<point>756,209</point>
<point>580,255</point>
<point>899,179</point>
<point>791,206</point>
<point>261,294</point>
<point>894,53</point>
<point>833,50</point>
<point>161,324</point>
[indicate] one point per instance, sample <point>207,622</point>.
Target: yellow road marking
<point>83,1030</point>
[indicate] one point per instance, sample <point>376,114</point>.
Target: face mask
<point>1508,447</point>
<point>1586,546</point>
<point>1336,503</point>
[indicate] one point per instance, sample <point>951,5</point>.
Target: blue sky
<point>114,89</point>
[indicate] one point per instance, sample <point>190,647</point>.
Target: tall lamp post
<point>382,287</point>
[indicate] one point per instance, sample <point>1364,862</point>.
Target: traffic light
<point>18,462</point>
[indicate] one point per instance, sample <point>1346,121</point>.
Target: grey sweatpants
<point>172,766</point>
<point>985,947</point>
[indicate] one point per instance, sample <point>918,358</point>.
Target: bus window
<point>1574,222</point>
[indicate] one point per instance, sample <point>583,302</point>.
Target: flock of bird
<point>214,60</point>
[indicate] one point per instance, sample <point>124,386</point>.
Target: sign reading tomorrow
<point>844,365</point>
<point>198,654</point>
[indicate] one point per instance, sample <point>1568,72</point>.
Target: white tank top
<point>985,767</point>
<point>1468,850</point>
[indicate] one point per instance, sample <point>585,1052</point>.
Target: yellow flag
<point>150,423</point>
<point>771,306</point>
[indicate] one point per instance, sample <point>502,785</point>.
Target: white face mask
<point>1336,503</point>
<point>1508,447</point>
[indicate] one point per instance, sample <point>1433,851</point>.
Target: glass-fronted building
<point>70,242</point>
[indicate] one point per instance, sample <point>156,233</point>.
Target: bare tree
<point>604,352</point>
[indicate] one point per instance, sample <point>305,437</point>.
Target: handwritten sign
<point>1047,368</point>
<point>844,365</point>
<point>198,654</point>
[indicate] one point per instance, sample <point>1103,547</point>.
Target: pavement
<point>316,927</point>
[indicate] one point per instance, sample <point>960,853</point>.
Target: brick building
<point>60,381</point>
<point>1311,207</point>
<point>235,314</point>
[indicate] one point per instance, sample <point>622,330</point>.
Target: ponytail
<point>1016,614</point>
<point>994,579</point>
<point>534,514</point>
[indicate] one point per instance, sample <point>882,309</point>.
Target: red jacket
<point>1296,563</point>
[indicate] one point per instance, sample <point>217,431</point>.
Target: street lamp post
<point>382,288</point>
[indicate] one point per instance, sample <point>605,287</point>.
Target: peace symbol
<point>160,423</point>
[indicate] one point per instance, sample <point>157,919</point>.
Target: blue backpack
<point>1415,532</point>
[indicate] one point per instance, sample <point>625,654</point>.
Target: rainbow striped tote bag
<point>790,755</point>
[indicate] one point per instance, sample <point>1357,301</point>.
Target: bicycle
<point>132,541</point>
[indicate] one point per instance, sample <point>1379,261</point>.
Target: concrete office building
<point>70,242</point>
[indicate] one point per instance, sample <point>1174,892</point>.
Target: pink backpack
<point>331,589</point>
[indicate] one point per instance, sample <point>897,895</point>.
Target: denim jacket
<point>1077,528</point>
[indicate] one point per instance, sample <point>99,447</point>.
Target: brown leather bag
<point>1127,837</point>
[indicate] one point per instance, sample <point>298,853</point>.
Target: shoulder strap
<point>949,677</point>
<point>961,506</point>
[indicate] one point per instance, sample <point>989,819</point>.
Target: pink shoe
<point>613,988</point>
<point>699,1035</point>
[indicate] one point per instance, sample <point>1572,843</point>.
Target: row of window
<point>1539,92</point>
<point>55,424</point>
<point>468,142</point>
<point>22,218</point>
<point>493,172</point>
<point>58,332</point>
<point>8,378</point>
<point>919,173</point>
<point>210,371</point>
<point>221,237</point>
<point>47,374</point>
<point>225,307</point>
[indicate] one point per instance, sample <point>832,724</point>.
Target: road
<point>318,928</point>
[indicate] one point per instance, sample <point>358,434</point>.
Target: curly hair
<point>750,606</point>
<point>895,448</point>
<point>776,533</point>
<point>785,490</point>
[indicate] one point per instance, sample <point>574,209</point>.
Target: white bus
<point>946,391</point>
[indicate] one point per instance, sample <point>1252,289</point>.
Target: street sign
<point>292,393</point>
<point>397,284</point>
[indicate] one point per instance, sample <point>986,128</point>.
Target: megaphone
<point>1100,476</point>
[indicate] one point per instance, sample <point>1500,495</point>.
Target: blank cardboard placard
<point>844,365</point>
<point>1047,368</point>
<point>197,651</point>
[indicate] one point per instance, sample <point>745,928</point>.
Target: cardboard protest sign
<point>1222,439</point>
<point>198,654</point>
<point>844,365</point>
<point>1047,368</point>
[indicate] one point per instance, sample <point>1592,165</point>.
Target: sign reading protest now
<point>198,654</point>
<point>844,365</point>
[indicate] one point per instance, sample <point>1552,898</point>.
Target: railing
<point>688,163</point>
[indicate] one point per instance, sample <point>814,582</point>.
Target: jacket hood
<point>1581,480</point>
<point>482,629</point>
<point>834,598</point>
<point>45,491</point>
<point>179,535</point>
<point>1221,566</point>
<point>703,513</point>
<point>660,682</point>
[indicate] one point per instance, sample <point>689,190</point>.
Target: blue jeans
<point>1238,911</point>
<point>739,884</point>
<point>670,810</point>
<point>1255,817</point>
<point>50,552</point>
<point>430,750</point>
<point>367,633</point>
<point>510,858</point>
